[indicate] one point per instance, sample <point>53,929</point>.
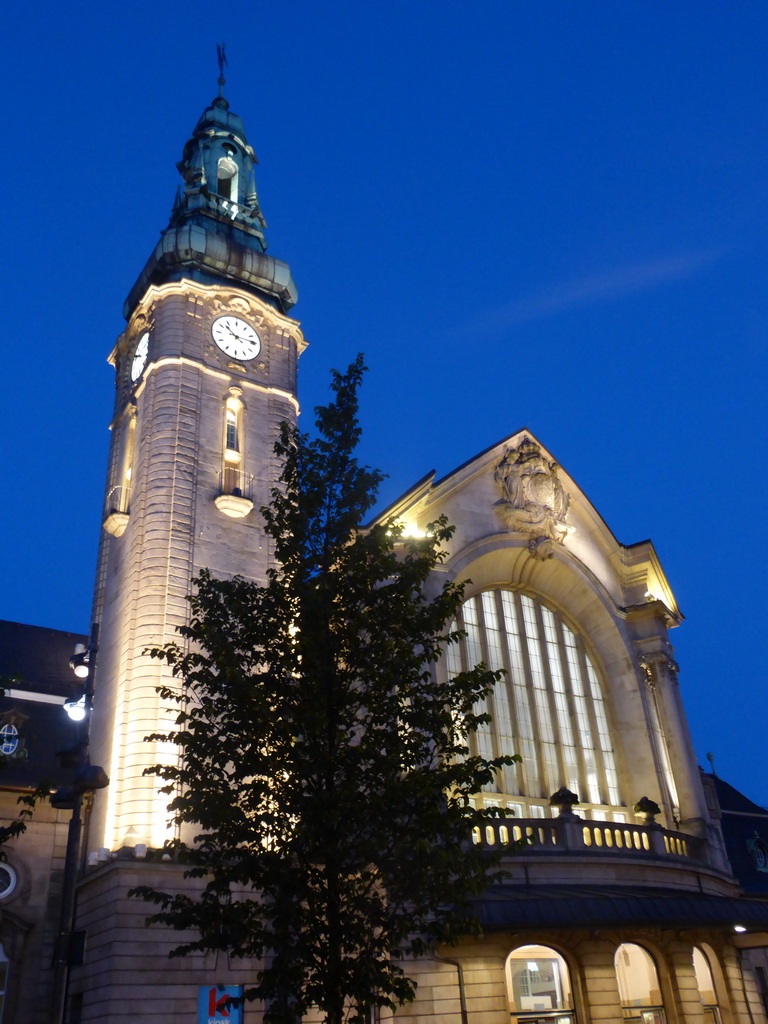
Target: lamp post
<point>88,778</point>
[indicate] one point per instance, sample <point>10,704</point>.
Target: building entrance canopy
<point>558,906</point>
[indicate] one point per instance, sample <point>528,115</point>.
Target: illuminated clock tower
<point>205,375</point>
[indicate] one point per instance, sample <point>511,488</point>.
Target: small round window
<point>7,880</point>
<point>9,739</point>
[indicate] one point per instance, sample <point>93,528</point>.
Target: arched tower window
<point>126,467</point>
<point>549,707</point>
<point>233,415</point>
<point>232,435</point>
<point>234,482</point>
<point>227,178</point>
<point>538,986</point>
<point>118,501</point>
<point>638,983</point>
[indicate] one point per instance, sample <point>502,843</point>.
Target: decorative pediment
<point>533,500</point>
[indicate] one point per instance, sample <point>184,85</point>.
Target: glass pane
<point>474,656</point>
<point>704,978</point>
<point>550,708</point>
<point>637,978</point>
<point>537,982</point>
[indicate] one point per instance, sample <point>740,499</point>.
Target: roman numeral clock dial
<point>235,337</point>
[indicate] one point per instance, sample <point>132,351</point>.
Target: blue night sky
<point>540,213</point>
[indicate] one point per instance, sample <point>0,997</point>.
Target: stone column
<point>600,990</point>
<point>660,670</point>
<point>685,989</point>
<point>745,1002</point>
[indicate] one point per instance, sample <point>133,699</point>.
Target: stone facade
<point>620,907</point>
<point>173,416</point>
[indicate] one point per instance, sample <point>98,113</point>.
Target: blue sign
<point>212,1004</point>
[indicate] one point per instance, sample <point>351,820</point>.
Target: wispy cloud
<point>593,289</point>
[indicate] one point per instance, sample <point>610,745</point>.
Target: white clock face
<point>235,337</point>
<point>140,356</point>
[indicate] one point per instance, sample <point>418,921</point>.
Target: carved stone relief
<point>533,499</point>
<point>655,664</point>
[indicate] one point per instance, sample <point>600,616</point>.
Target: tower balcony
<point>117,510</point>
<point>235,494</point>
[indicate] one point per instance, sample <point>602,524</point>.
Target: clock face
<point>140,356</point>
<point>235,337</point>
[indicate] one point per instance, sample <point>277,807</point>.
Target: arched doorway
<point>706,984</point>
<point>538,986</point>
<point>638,983</point>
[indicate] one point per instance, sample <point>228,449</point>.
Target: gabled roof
<point>469,468</point>
<point>590,540</point>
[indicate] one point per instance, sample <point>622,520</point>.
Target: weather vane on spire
<point>221,54</point>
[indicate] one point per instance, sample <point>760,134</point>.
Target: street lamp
<point>88,778</point>
<point>76,708</point>
<point>79,661</point>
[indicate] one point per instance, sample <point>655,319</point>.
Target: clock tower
<point>205,374</point>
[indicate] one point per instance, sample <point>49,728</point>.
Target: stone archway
<point>539,986</point>
<point>639,987</point>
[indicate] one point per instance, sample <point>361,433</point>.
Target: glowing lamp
<point>75,708</point>
<point>79,662</point>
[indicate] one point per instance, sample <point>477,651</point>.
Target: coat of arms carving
<point>533,499</point>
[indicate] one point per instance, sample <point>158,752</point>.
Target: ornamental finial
<point>221,54</point>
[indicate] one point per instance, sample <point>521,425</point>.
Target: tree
<point>323,760</point>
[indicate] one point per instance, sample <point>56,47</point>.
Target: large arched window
<point>549,707</point>
<point>638,983</point>
<point>538,986</point>
<point>706,985</point>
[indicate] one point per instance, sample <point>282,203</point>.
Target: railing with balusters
<point>560,835</point>
<point>234,481</point>
<point>118,500</point>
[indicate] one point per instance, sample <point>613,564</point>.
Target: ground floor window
<point>638,983</point>
<point>706,985</point>
<point>538,986</point>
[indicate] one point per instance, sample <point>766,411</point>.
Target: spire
<point>221,53</point>
<point>218,170</point>
<point>216,229</point>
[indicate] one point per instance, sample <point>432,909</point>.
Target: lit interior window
<point>638,982</point>
<point>232,442</point>
<point>549,707</point>
<point>538,986</point>
<point>233,414</point>
<point>706,985</point>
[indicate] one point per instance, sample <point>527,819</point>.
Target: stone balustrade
<point>571,834</point>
